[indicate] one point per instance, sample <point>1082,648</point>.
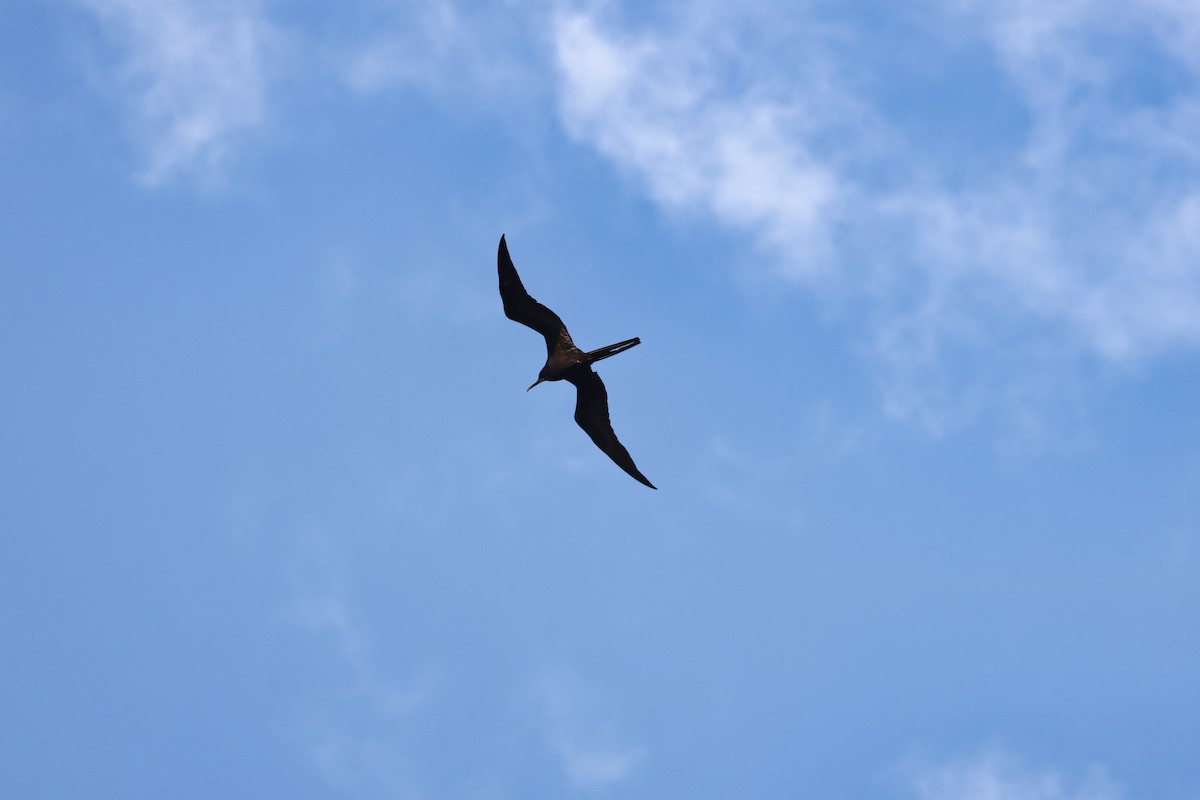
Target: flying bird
<point>565,361</point>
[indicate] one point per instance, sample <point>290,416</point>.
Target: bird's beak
<point>535,383</point>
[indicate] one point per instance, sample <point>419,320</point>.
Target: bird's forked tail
<point>611,350</point>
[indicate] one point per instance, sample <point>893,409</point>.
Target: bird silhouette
<point>565,361</point>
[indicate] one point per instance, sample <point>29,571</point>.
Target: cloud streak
<point>652,105</point>
<point>356,735</point>
<point>995,775</point>
<point>582,738</point>
<point>195,75</point>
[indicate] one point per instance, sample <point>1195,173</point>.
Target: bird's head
<point>541,377</point>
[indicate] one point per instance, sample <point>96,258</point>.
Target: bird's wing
<point>591,412</point>
<point>520,307</point>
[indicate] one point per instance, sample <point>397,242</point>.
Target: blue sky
<point>918,288</point>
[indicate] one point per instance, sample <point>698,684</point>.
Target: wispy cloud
<point>581,734</point>
<point>357,734</point>
<point>196,76</point>
<point>1081,238</point>
<point>330,615</point>
<point>413,47</point>
<point>445,47</point>
<point>995,775</point>
<point>337,284</point>
<point>654,105</point>
<point>7,118</point>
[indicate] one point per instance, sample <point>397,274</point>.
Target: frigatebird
<point>565,361</point>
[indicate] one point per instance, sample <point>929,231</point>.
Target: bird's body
<point>565,361</point>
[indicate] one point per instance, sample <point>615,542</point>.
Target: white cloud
<point>583,737</point>
<point>995,775</point>
<point>411,50</point>
<point>449,49</point>
<point>651,105</point>
<point>1080,240</point>
<point>196,75</point>
<point>330,615</point>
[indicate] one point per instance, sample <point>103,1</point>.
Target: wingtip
<point>642,479</point>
